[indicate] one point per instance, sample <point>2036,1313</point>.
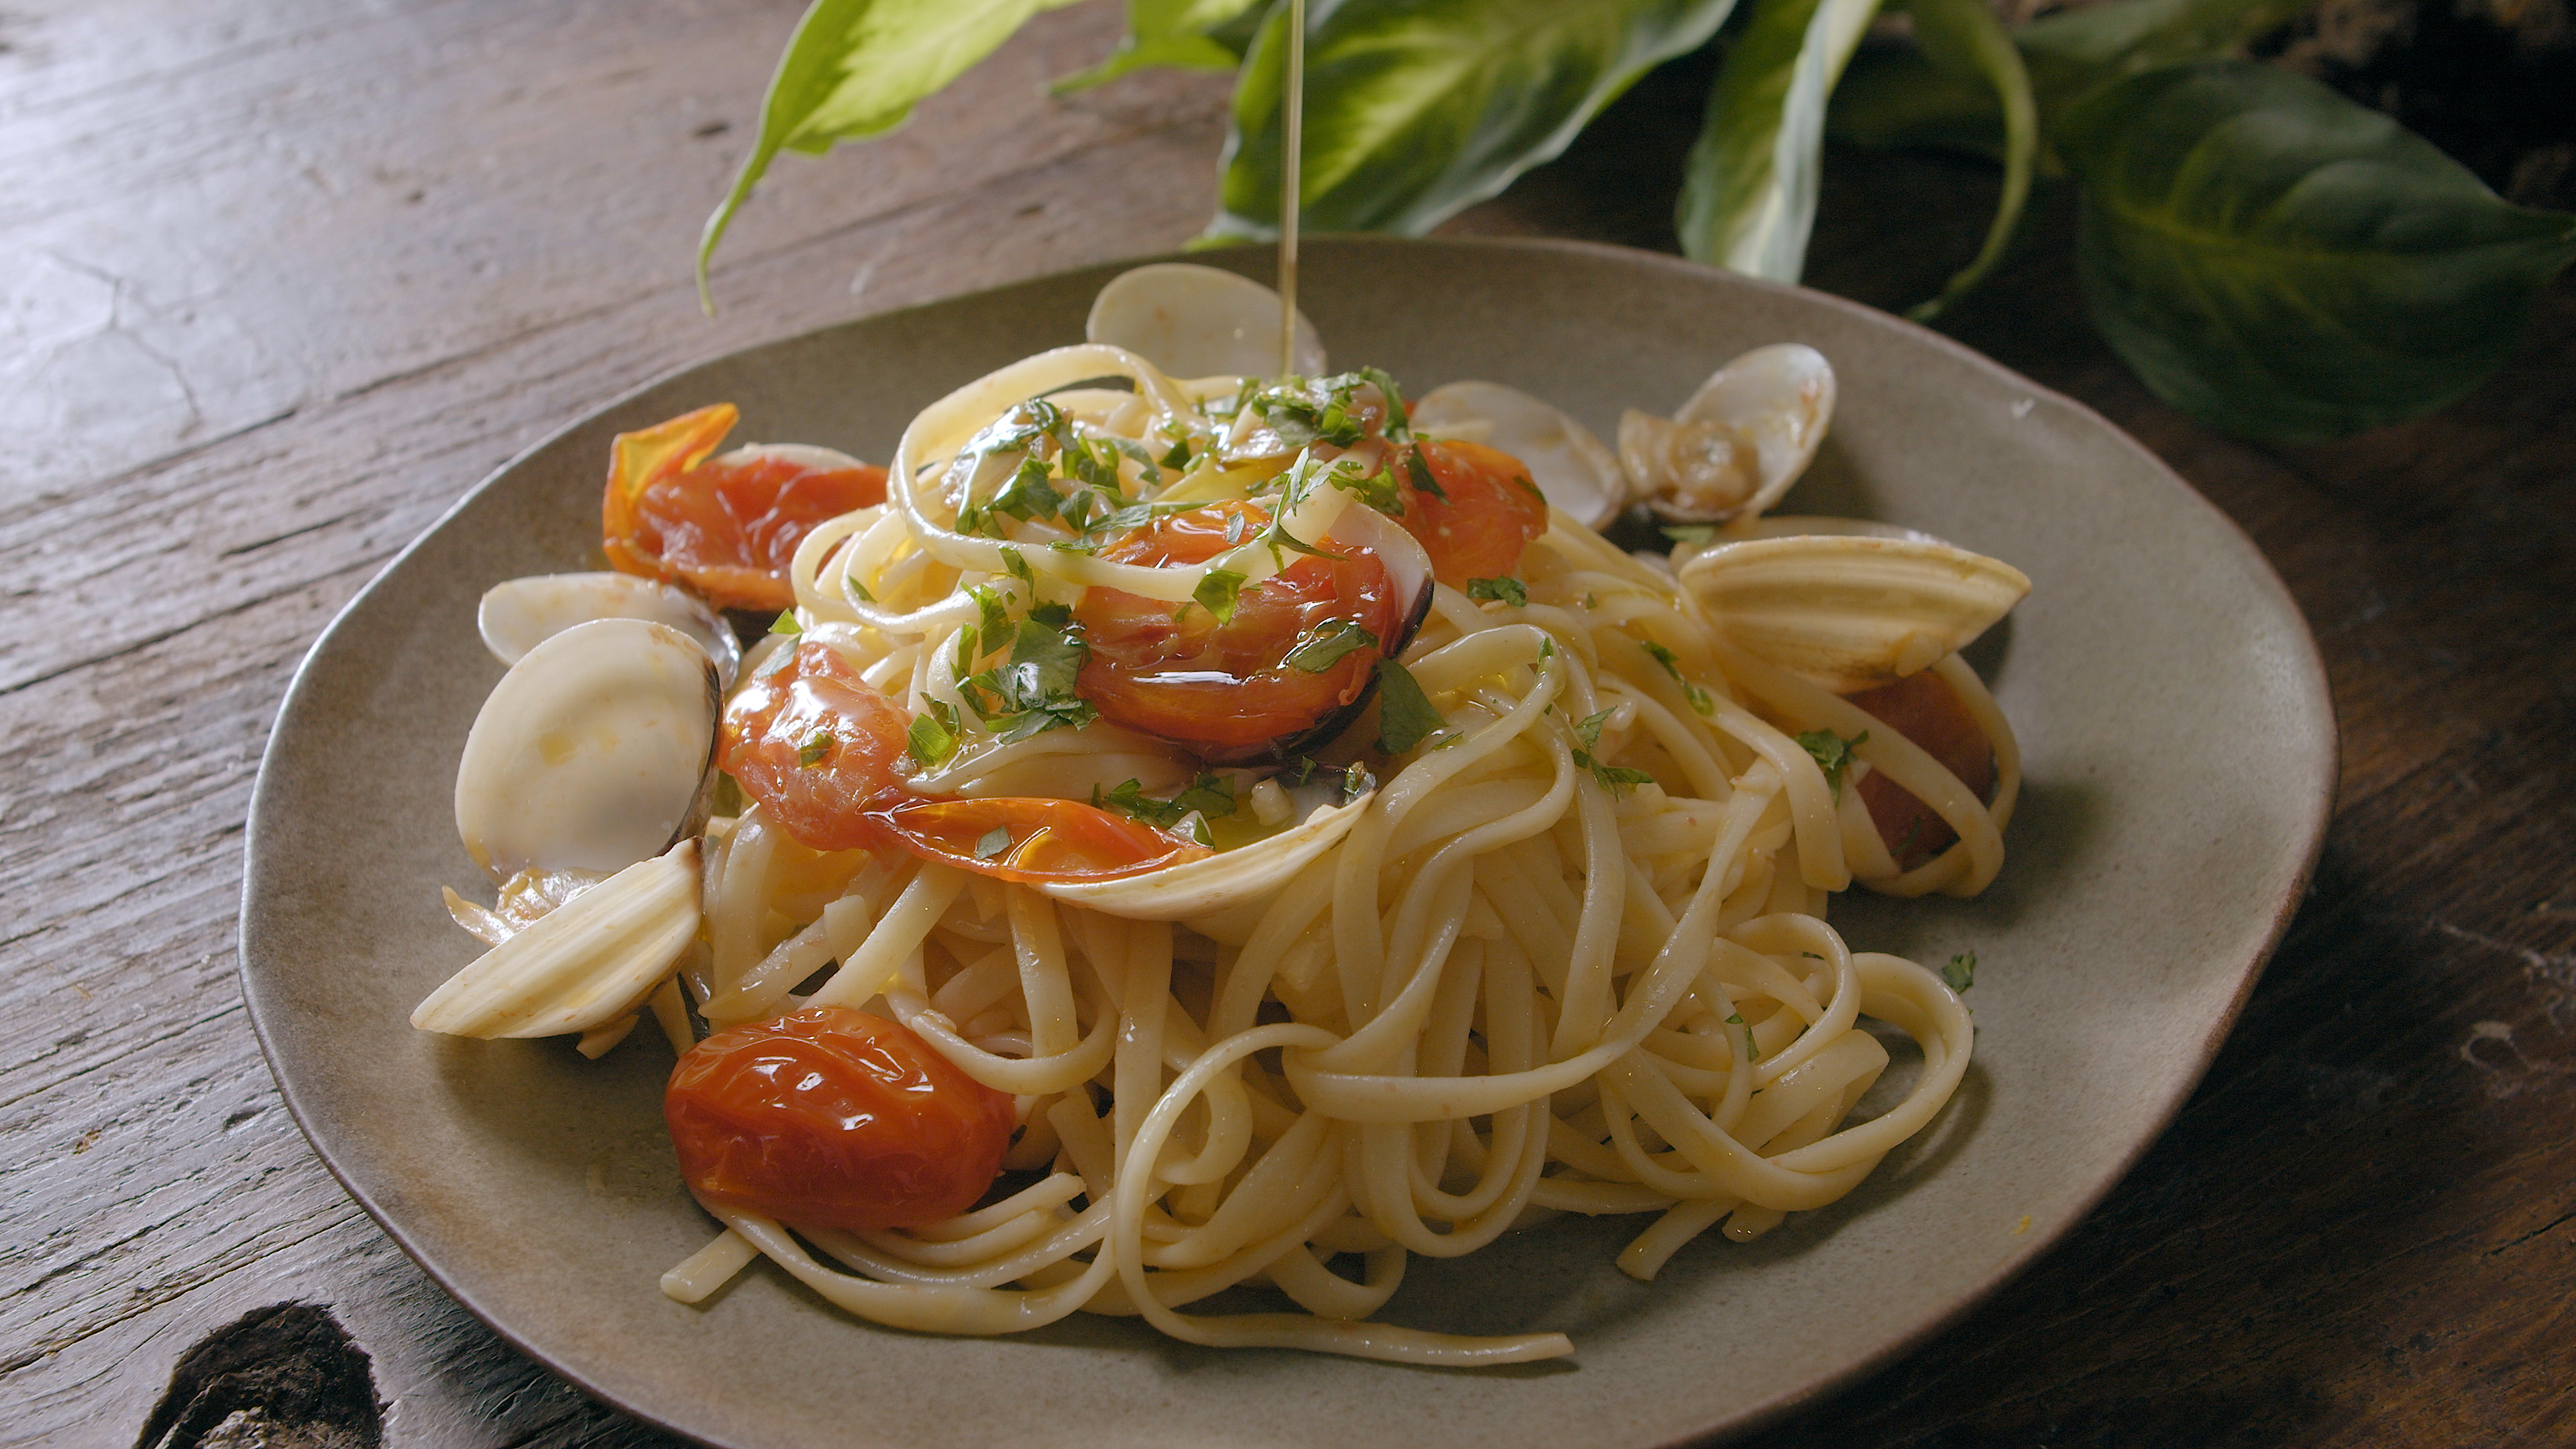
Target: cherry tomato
<point>1925,709</point>
<point>812,742</point>
<point>1038,841</point>
<point>1491,513</point>
<point>832,1118</point>
<point>1223,689</point>
<point>727,528</point>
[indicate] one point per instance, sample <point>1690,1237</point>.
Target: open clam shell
<point>1568,462</point>
<point>1194,321</point>
<point>588,961</point>
<point>1217,883</point>
<point>595,751</point>
<point>1851,612</point>
<point>1741,440</point>
<point>521,614</point>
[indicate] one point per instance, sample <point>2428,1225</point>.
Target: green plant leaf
<point>1168,33</point>
<point>1897,97</point>
<point>1749,188</point>
<point>2282,263</point>
<point>1417,108</point>
<point>1963,38</point>
<point>854,69</point>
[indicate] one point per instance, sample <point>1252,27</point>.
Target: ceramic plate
<point>2180,757</point>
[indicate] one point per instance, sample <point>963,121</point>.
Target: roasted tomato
<point>832,1118</point>
<point>1486,511</point>
<point>812,742</point>
<point>726,527</point>
<point>1226,690</point>
<point>1925,709</point>
<point>1031,841</point>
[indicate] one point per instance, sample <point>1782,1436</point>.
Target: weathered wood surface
<point>284,277</point>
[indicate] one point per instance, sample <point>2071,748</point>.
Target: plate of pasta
<point>1126,871</point>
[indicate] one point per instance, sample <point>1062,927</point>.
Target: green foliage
<point>1418,108</point>
<point>2282,263</point>
<point>2270,257</point>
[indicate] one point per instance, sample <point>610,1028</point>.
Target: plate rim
<point>2316,799</point>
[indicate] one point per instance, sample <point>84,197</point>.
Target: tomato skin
<point>726,528</point>
<point>771,721</point>
<point>1221,689</point>
<point>1925,709</point>
<point>832,1118</point>
<point>1492,512</point>
<point>1052,840</point>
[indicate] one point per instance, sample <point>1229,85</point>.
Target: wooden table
<point>285,277</point>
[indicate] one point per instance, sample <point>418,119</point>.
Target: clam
<point>1851,612</point>
<point>595,751</point>
<point>521,614</point>
<point>1739,442</point>
<point>1565,459</point>
<point>1195,321</point>
<point>588,961</point>
<point>1220,882</point>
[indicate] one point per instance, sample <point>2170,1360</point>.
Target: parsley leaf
<point>1018,567</point>
<point>1691,532</point>
<point>1752,1053</point>
<point>1210,797</point>
<point>1320,647</point>
<point>856,592</point>
<point>1698,697</point>
<point>993,842</point>
<point>1179,457</point>
<point>1832,753</point>
<point>1399,425</point>
<point>1417,468</point>
<point>1509,591</point>
<point>1378,490</point>
<point>817,748</point>
<point>786,624</point>
<point>1033,692</point>
<point>1355,782</point>
<point>1029,494</point>
<point>1616,779</point>
<point>930,741</point>
<point>1405,713</point>
<point>1961,972</point>
<point>994,616</point>
<point>1219,588</point>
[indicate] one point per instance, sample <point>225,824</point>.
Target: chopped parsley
<point>1029,495</point>
<point>1752,1053</point>
<point>1179,457</point>
<point>1509,591</point>
<point>1961,972</point>
<point>1210,797</point>
<point>1219,588</point>
<point>1832,753</point>
<point>1033,691</point>
<point>1323,646</point>
<point>1405,714</point>
<point>1378,490</point>
<point>786,624</point>
<point>856,592</point>
<point>993,843</point>
<point>1691,532</point>
<point>1018,567</point>
<point>1614,778</point>
<point>1698,697</point>
<point>817,748</point>
<point>1417,469</point>
<point>933,736</point>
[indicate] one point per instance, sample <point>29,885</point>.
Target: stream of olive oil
<point>1291,142</point>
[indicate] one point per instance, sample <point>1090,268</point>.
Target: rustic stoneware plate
<point>2180,755</point>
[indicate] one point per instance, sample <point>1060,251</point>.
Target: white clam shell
<point>1567,461</point>
<point>588,961</point>
<point>1851,612</point>
<point>595,751</point>
<point>1195,321</point>
<point>521,614</point>
<point>1219,882</point>
<point>1741,440</point>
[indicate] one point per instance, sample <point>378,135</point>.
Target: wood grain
<point>280,279</point>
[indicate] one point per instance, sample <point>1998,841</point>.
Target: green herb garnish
<point>1509,591</point>
<point>1322,646</point>
<point>817,747</point>
<point>1219,588</point>
<point>1961,972</point>
<point>993,842</point>
<point>1698,697</point>
<point>786,624</point>
<point>1832,754</point>
<point>1404,712</point>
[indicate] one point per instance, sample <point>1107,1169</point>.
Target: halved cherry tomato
<point>1491,513</point>
<point>832,1118</point>
<point>812,742</point>
<point>727,528</point>
<point>1032,841</point>
<point>1222,689</point>
<point>1925,709</point>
